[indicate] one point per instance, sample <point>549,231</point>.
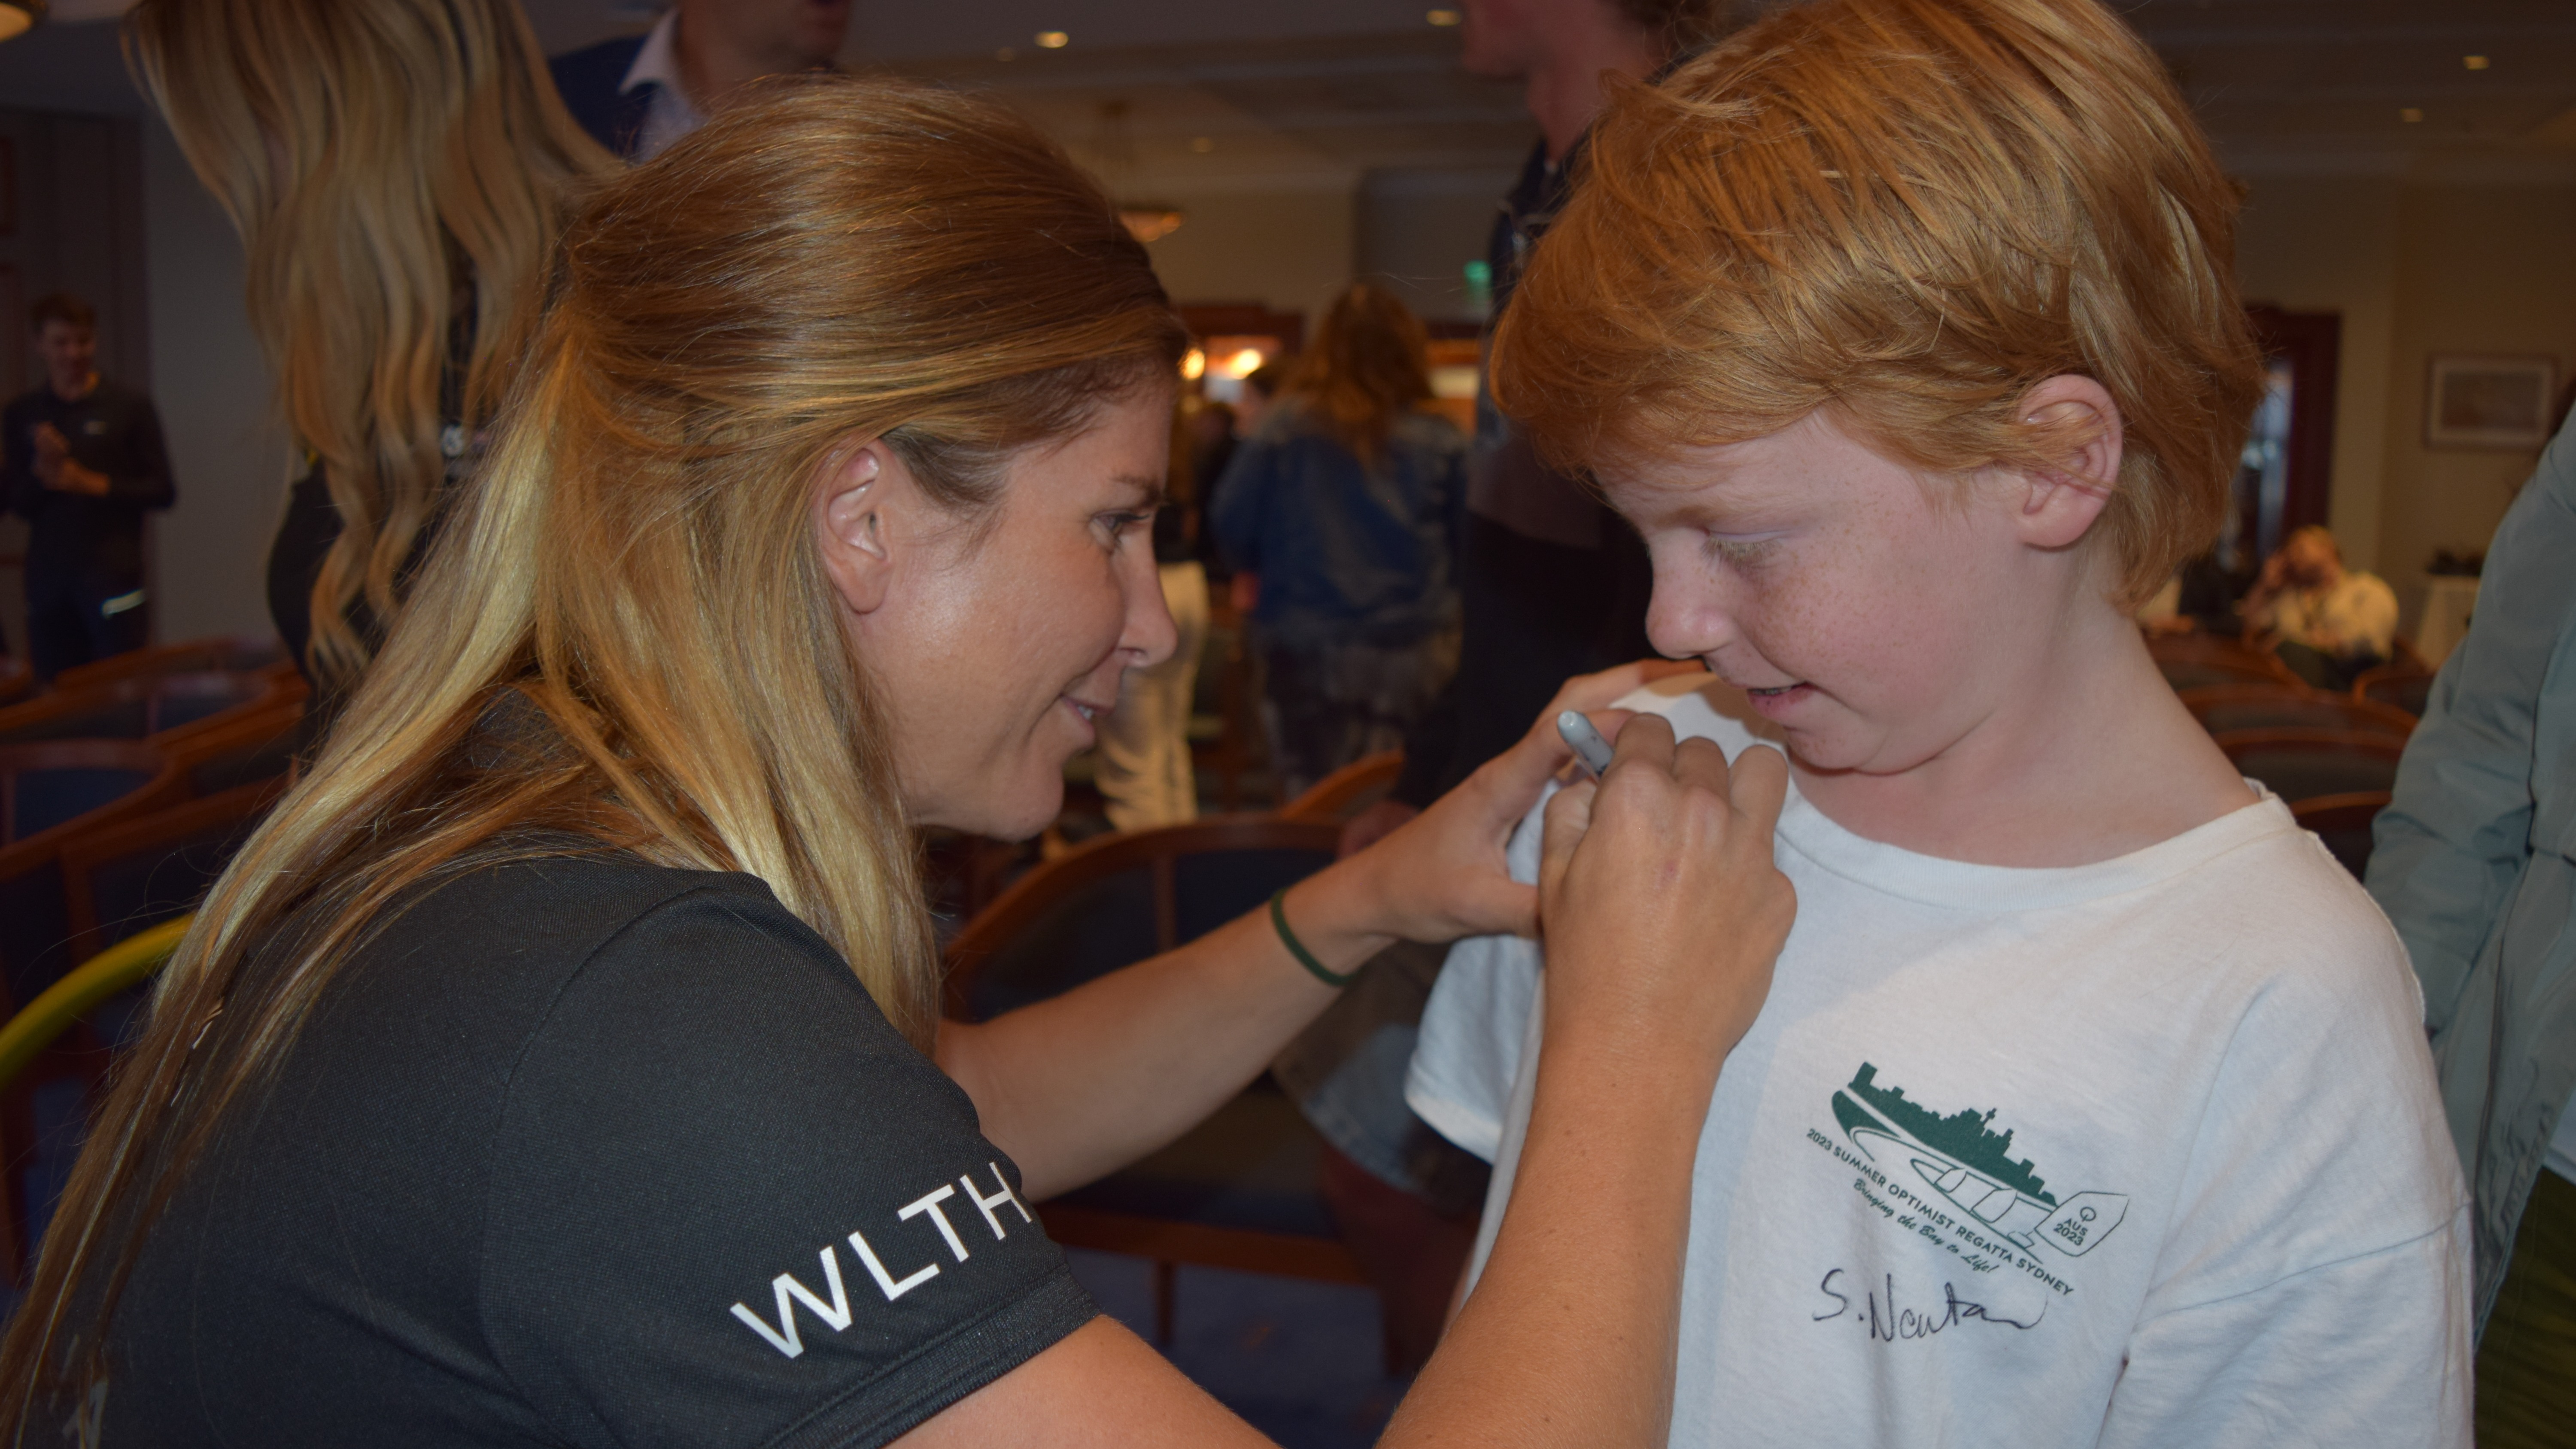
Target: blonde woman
<point>559,1063</point>
<point>399,171</point>
<point>1345,504</point>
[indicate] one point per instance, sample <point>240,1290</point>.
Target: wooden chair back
<point>246,655</point>
<point>1118,899</point>
<point>2398,686</point>
<point>31,1054</point>
<point>2198,661</point>
<point>2301,765</point>
<point>17,681</point>
<point>1242,1189</point>
<point>2226,708</point>
<point>159,707</point>
<point>237,749</point>
<point>65,788</point>
<point>127,877</point>
<point>1347,791</point>
<point>2343,823</point>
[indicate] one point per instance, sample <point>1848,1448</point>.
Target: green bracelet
<point>1297,948</point>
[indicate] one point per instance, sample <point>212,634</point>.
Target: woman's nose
<point>1150,634</point>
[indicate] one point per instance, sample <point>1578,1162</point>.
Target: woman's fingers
<point>1758,783</point>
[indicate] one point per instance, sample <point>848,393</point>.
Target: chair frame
<point>279,690</point>
<point>192,656</point>
<point>1013,911</point>
<point>167,787</point>
<point>2219,650</point>
<point>1330,799</point>
<point>1162,1241</point>
<point>2348,811</point>
<point>31,1031</point>
<point>2382,717</point>
<point>93,848</point>
<point>2235,743</point>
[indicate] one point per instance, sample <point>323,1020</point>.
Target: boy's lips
<point>1778,698</point>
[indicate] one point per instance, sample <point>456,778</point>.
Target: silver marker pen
<point>1589,747</point>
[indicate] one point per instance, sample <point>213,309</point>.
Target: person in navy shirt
<point>82,460</point>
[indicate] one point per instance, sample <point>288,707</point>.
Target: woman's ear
<point>857,499</point>
<point>2061,503</point>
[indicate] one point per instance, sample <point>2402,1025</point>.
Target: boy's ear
<point>2060,503</point>
<point>862,499</point>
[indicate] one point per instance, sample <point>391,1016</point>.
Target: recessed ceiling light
<point>1442,17</point>
<point>2475,62</point>
<point>1203,144</point>
<point>1054,39</point>
<point>2410,115</point>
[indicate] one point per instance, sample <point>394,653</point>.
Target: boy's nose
<point>1684,624</point>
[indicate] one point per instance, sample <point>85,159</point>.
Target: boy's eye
<point>1123,524</point>
<point>1743,548</point>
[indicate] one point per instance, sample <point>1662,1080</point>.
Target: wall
<point>1419,229</point>
<point>2437,257</point>
<point>1290,250</point>
<point>213,389</point>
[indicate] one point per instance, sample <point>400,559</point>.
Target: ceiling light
<point>2475,62</point>
<point>1203,144</point>
<point>1442,17</point>
<point>17,16</point>
<point>2410,115</point>
<point>1194,366</point>
<point>1053,40</point>
<point>1244,363</point>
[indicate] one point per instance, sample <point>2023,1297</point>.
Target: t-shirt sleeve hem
<point>972,1355</point>
<point>1469,1129</point>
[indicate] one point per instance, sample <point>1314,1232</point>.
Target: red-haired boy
<point>2091,1102</point>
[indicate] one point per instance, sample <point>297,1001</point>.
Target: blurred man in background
<point>82,460</point>
<point>639,94</point>
<point>2327,622</point>
<point>1551,584</point>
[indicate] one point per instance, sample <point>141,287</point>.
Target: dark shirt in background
<point>1551,582</point>
<point>85,562</point>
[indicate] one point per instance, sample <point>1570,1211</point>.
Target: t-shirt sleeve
<point>2358,1352</point>
<point>2314,1286</point>
<point>1469,1050</point>
<point>731,1205</point>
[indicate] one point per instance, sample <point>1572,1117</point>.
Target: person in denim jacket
<point>2475,862</point>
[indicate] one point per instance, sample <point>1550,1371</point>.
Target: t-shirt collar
<point>1986,889</point>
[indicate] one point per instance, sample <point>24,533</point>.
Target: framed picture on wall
<point>2489,402</point>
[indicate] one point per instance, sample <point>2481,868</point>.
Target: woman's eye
<point>1122,525</point>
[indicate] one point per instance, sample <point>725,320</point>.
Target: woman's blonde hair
<point>1910,212</point>
<point>1369,363</point>
<point>625,639</point>
<point>399,171</point>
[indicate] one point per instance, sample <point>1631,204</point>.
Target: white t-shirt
<point>2139,1153</point>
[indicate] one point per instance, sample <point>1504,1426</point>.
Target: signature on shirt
<point>1888,1323</point>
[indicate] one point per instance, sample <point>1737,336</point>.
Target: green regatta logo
<point>1962,1157</point>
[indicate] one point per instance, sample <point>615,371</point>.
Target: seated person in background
<point>2327,622</point>
<point>2090,1103</point>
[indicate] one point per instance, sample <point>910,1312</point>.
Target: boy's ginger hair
<point>1911,212</point>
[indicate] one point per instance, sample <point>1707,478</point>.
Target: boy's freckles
<point>1863,622</point>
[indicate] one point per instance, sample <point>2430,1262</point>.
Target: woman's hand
<point>1662,909</point>
<point>1441,874</point>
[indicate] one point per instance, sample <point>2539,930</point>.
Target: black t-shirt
<point>585,1151</point>
<point>111,430</point>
